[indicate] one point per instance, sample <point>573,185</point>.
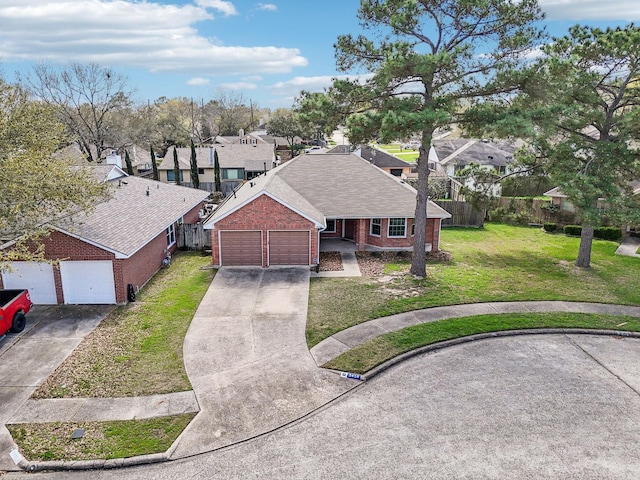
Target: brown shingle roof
<point>131,218</point>
<point>333,186</point>
<point>247,156</point>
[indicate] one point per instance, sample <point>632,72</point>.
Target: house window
<point>501,169</point>
<point>171,235</point>
<point>233,173</point>
<point>376,226</point>
<point>171,176</point>
<point>396,172</point>
<point>413,227</point>
<point>397,227</point>
<point>201,171</point>
<point>331,226</point>
<point>243,141</point>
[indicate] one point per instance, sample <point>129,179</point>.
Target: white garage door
<point>36,277</point>
<point>88,282</point>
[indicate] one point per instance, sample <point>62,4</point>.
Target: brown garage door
<point>240,248</point>
<point>289,248</point>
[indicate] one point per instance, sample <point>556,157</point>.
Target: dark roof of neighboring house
<point>382,159</point>
<point>251,157</point>
<point>331,186</point>
<point>462,151</point>
<point>131,218</point>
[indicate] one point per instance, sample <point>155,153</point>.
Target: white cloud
<point>237,86</point>
<point>267,6</point>
<point>225,7</point>
<point>579,10</point>
<point>153,36</point>
<point>198,81</point>
<point>305,83</point>
<point>314,84</point>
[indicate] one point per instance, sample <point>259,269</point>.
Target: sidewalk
<point>350,267</point>
<point>345,340</point>
<point>629,247</point>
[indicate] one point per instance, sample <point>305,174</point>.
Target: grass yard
<point>378,350</point>
<point>103,440</point>
<point>137,350</point>
<point>410,156</point>
<point>495,263</point>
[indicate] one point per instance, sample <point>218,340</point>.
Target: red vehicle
<point>14,305</point>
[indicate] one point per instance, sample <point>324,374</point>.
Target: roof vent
<point>147,191</point>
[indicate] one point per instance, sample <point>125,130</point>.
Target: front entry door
<point>349,227</point>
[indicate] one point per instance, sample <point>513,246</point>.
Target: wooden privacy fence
<point>193,237</point>
<point>463,214</point>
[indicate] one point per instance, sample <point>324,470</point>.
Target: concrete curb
<point>93,464</point>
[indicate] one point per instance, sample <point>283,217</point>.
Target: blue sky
<point>265,51</point>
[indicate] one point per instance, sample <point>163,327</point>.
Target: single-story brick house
<point>280,218</point>
<point>122,242</point>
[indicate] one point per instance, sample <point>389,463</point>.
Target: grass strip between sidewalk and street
<point>370,354</point>
<point>101,440</point>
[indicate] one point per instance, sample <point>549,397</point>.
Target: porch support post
<point>361,234</point>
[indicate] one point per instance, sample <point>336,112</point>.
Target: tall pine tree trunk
<point>418,267</point>
<point>584,252</point>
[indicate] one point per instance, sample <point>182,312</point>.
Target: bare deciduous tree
<point>87,98</point>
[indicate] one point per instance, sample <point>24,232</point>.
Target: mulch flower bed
<point>372,263</point>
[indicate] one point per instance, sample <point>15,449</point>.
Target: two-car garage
<point>283,247</point>
<point>82,282</point>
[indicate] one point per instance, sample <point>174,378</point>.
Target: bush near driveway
<point>494,263</point>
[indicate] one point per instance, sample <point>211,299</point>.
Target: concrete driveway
<point>28,358</point>
<point>247,358</point>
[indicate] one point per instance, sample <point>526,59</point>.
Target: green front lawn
<point>137,350</point>
<point>495,263</point>
<point>396,149</point>
<point>104,440</point>
<point>364,357</point>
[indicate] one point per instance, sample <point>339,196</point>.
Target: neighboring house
<point>385,161</point>
<point>140,158</point>
<point>241,139</point>
<point>560,199</point>
<point>454,155</point>
<point>564,204</point>
<point>239,162</point>
<point>122,242</point>
<point>140,161</point>
<point>280,218</point>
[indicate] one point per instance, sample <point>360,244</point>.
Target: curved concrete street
<point>526,407</point>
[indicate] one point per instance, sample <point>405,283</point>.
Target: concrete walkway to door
<point>247,358</point>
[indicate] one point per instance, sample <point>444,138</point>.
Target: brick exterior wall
<point>141,266</point>
<point>363,237</point>
<point>263,214</point>
<point>137,269</point>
